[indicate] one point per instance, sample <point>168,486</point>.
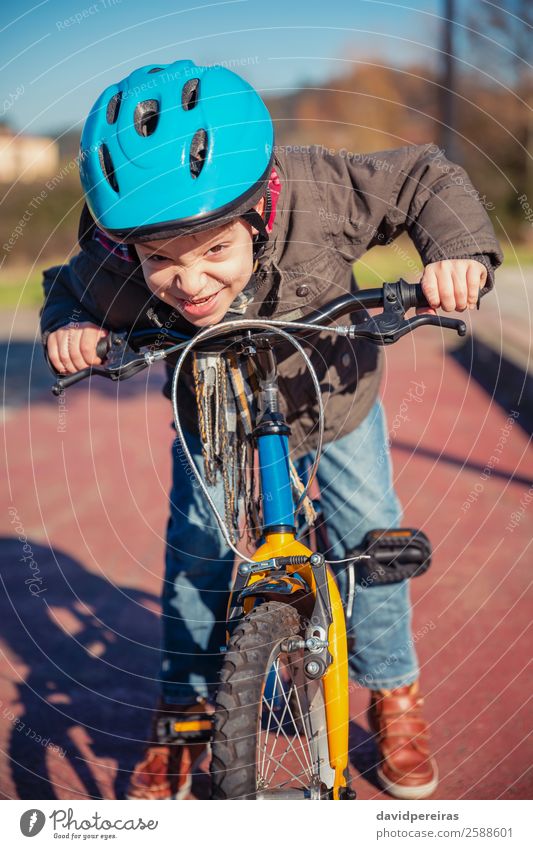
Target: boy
<point>194,216</point>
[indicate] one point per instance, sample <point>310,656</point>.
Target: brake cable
<point>211,332</point>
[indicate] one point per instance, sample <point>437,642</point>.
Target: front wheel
<point>269,738</point>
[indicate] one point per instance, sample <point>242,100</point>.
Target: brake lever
<point>119,372</point>
<point>390,325</point>
<point>122,362</point>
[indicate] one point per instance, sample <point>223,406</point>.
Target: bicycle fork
<point>324,658</point>
<point>288,571</point>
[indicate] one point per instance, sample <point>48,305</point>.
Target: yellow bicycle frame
<point>335,679</point>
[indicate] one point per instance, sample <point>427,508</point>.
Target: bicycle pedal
<point>393,555</point>
<point>178,730</point>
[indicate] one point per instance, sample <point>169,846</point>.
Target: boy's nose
<point>188,285</point>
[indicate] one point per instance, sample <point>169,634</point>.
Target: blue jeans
<point>357,494</point>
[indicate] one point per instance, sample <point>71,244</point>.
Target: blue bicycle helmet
<point>175,149</point>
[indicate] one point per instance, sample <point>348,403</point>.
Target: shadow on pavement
<point>456,460</point>
<point>363,753</point>
<point>26,377</point>
<point>87,653</point>
<point>510,386</point>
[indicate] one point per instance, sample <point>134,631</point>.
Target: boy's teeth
<point>200,300</point>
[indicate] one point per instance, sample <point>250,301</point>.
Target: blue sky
<point>57,55</point>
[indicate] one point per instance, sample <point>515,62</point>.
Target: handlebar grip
<point>413,296</point>
<point>103,346</point>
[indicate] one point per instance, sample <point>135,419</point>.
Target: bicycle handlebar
<point>410,295</point>
<point>383,329</point>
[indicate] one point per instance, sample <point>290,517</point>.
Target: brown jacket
<point>332,208</point>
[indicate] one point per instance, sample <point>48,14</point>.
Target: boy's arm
<point>372,198</point>
<point>61,305</point>
<point>71,322</point>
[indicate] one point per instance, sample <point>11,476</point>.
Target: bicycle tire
<point>241,765</point>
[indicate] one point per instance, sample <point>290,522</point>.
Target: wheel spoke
<point>272,713</point>
<point>280,730</point>
<point>310,740</point>
<point>294,776</point>
<point>293,720</point>
<point>275,664</point>
<point>305,748</point>
<point>279,764</point>
<point>276,738</point>
<point>288,781</point>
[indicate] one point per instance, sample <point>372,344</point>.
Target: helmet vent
<point>108,169</point>
<point>198,152</point>
<point>146,116</point>
<point>113,107</point>
<point>189,94</point>
<point>154,70</point>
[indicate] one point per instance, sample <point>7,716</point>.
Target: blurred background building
<point>26,158</point>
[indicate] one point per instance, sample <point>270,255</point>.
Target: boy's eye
<point>158,258</point>
<point>216,249</point>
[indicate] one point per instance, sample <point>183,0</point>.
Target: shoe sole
<point>184,791</point>
<point>400,791</point>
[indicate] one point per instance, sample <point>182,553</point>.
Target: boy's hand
<point>452,284</point>
<point>73,347</point>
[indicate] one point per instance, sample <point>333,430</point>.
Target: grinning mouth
<point>199,300</point>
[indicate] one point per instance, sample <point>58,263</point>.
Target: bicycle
<point>280,726</point>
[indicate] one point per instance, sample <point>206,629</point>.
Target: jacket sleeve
<point>373,198</point>
<point>64,301</point>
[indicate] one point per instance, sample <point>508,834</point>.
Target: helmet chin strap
<point>259,222</point>
<point>260,240</point>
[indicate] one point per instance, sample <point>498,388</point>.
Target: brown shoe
<point>178,740</point>
<point>407,770</point>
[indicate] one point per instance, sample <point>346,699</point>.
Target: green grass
<point>21,287</point>
<point>516,255</point>
<point>401,259</point>
<point>386,263</point>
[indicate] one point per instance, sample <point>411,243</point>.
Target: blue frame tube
<point>276,490</point>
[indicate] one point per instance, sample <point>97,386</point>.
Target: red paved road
<point>79,659</point>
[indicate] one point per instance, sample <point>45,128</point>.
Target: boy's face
<point>201,274</point>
